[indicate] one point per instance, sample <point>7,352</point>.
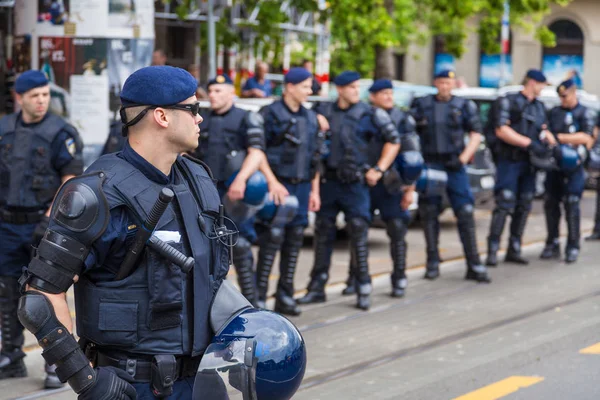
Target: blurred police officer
<point>291,133</point>
<point>232,139</point>
<point>442,122</point>
<point>520,120</point>
<point>144,322</point>
<point>115,140</point>
<point>392,205</point>
<point>38,152</point>
<point>595,148</point>
<point>346,181</point>
<point>572,125</point>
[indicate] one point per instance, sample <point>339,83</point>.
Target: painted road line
<point>593,349</point>
<point>502,388</point>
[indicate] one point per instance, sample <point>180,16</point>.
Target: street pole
<point>505,43</point>
<point>212,53</point>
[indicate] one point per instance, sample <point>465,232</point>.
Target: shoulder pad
<point>457,102</point>
<point>410,125</point>
<point>254,120</point>
<point>81,209</point>
<point>471,107</point>
<point>381,117</point>
<point>324,108</point>
<point>8,123</point>
<point>504,103</point>
<point>200,163</point>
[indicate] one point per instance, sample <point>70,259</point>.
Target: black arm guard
<point>385,125</point>
<point>80,211</point>
<point>255,129</point>
<point>503,109</point>
<point>59,347</point>
<point>589,121</point>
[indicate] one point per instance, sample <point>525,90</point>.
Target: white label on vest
<point>168,236</point>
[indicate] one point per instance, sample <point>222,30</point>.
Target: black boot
<point>284,298</point>
<point>552,213</point>
<point>324,241</point>
<point>573,212</point>
<point>596,232</point>
<point>51,381</point>
<point>466,230</point>
<point>517,228</point>
<point>359,230</point>
<point>350,288</point>
<point>11,356</point>
<point>496,227</point>
<point>244,262</point>
<point>270,243</point>
<point>551,250</point>
<point>431,229</point>
<point>396,230</point>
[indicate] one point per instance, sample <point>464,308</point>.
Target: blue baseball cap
<point>346,78</point>
<point>296,75</point>
<point>158,86</point>
<point>222,78</point>
<point>536,75</point>
<point>30,80</point>
<point>381,84</point>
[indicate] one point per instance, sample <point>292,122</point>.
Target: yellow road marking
<point>502,388</point>
<point>593,349</point>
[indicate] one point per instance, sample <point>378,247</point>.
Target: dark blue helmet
<point>569,158</point>
<point>410,164</point>
<point>256,188</point>
<point>259,354</point>
<point>281,214</point>
<point>593,161</point>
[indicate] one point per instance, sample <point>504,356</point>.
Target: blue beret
<point>536,75</point>
<point>381,84</point>
<point>296,75</point>
<point>446,73</point>
<point>30,80</point>
<point>346,78</point>
<point>159,85</point>
<point>223,78</point>
<point>565,85</point>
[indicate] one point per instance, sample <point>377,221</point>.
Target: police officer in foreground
<point>346,181</point>
<point>520,121</point>
<point>595,147</point>
<point>143,237</point>
<point>292,137</point>
<point>232,140</point>
<point>392,204</point>
<point>442,122</point>
<point>572,125</point>
<point>38,152</point>
<point>115,140</point>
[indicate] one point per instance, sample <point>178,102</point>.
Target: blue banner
<point>558,68</point>
<point>442,62</point>
<point>490,70</point>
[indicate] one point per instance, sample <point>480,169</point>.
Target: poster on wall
<point>125,56</point>
<point>22,53</point>
<point>490,70</point>
<point>442,62</point>
<point>558,68</point>
<point>77,70</point>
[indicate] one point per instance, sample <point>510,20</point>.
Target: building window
<point>399,66</point>
<point>565,60</point>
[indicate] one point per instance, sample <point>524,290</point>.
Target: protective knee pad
<point>466,211</point>
<point>242,251</point>
<point>506,200</point>
<point>59,347</point>
<point>524,202</point>
<point>396,229</point>
<point>358,226</point>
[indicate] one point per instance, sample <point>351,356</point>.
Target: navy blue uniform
<point>223,144</point>
<point>596,232</point>
<point>292,139</point>
<point>442,126</point>
<point>343,189</point>
<point>115,140</point>
<point>562,186</point>
<point>515,176</point>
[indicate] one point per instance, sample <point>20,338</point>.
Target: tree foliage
<point>360,29</point>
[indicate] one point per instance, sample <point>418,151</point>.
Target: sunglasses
<point>194,108</point>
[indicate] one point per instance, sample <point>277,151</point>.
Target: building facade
<point>577,30</point>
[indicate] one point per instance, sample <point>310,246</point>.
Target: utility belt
<point>21,217</point>
<point>293,181</point>
<point>348,178</point>
<point>512,153</point>
<point>436,158</point>
<point>161,371</point>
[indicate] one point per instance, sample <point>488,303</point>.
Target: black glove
<point>40,231</point>
<point>454,164</point>
<point>537,148</point>
<point>111,383</point>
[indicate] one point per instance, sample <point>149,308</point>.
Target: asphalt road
<point>531,334</point>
